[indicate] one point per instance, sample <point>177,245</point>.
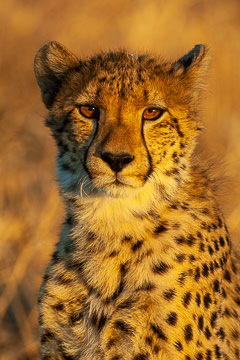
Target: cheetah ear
<point>51,64</point>
<point>194,63</point>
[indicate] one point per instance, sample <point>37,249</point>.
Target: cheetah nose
<point>117,161</point>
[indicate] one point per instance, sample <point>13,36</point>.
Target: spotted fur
<point>143,269</point>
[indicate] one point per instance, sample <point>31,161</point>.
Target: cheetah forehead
<point>54,63</point>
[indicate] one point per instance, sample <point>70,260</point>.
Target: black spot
<point>187,357</point>
<point>221,333</point>
<point>221,241</point>
<point>181,278</point>
<point>190,240</point>
<point>40,319</point>
<point>178,345</point>
<point>101,322</point>
<point>160,229</point>
<point>46,278</point>
<point>227,276</point>
<point>200,322</point>
<point>234,269</point>
<point>111,343</point>
<point>173,206</point>
<point>156,349</point>
<point>202,247</point>
<point>118,290</point>
<point>197,274</point>
<point>141,357</point>
<point>114,253</point>
<point>127,304</point>
<point>146,286</point>
<point>69,248</point>
<point>228,240</point>
<point>235,334</point>
<point>91,236</point>
<point>211,267</point>
<point>172,318</point>
<point>216,286</point>
<point>149,340</point>
<point>217,352</point>
<point>213,319</point>
<point>56,257</point>
<point>188,333</point>
<point>237,353</point>
<point>123,326</point>
<point>220,223</point>
<point>94,318</point>
<point>208,355</point>
<point>59,306</point>
<point>207,300</point>
<point>66,167</point>
<point>102,79</point>
<point>180,133</point>
<point>137,245</point>
<point>62,278</point>
<point>117,357</point>
<point>75,317</point>
<point>180,240</point>
<point>180,258</point>
<point>205,270</point>
<point>199,356</point>
<point>187,299</point>
<point>192,258</point>
<point>214,226</point>
<point>74,265</point>
<point>207,332</point>
<point>227,312</point>
<point>216,245</point>
<point>67,356</point>
<point>160,268</point>
<point>69,220</point>
<point>158,331</point>
<point>224,294</point>
<point>169,294</point>
<point>127,238</point>
<point>210,250</point>
<point>46,336</point>
<point>198,299</point>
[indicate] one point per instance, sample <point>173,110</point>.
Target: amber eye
<point>152,113</point>
<point>89,111</point>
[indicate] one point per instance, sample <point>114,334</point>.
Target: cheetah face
<point>121,122</point>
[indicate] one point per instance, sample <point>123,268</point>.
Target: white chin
<point>118,190</point>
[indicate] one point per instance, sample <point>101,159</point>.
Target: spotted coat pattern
<point>144,268</point>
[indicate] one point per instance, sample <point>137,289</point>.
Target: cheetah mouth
<point>117,185</point>
<point>120,183</point>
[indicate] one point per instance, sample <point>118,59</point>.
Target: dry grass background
<point>31,210</point>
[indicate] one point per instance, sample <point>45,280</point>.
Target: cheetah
<point>144,268</point>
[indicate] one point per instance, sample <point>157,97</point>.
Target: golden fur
<point>143,269</point>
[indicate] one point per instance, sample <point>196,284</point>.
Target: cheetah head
<point>123,123</point>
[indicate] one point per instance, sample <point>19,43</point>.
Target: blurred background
<point>31,211</point>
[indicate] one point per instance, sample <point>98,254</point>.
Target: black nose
<point>117,161</point>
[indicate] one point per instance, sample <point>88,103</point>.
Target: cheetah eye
<point>89,111</point>
<point>152,113</point>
